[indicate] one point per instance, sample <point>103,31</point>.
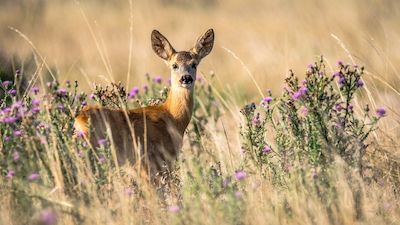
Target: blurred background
<point>93,38</point>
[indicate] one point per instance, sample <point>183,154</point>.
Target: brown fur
<point>155,133</point>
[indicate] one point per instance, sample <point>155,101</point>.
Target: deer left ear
<point>204,44</point>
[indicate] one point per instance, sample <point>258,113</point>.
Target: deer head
<point>183,64</point>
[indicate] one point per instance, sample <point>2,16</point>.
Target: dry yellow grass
<point>97,39</point>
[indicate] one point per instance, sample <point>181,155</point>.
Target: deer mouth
<point>186,81</point>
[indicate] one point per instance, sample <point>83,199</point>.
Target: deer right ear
<point>161,45</point>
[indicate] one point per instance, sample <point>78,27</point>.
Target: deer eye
<point>194,65</point>
<point>175,66</point>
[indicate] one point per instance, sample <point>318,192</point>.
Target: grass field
<point>309,151</point>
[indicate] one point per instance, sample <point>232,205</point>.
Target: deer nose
<point>186,79</point>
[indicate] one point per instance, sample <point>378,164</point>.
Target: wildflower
<point>102,159</point>
<point>267,100</point>
<point>267,149</point>
<point>62,92</point>
<point>12,92</point>
<point>381,112</point>
<point>61,107</point>
<point>338,107</point>
<point>17,72</point>
<point>256,120</point>
<point>145,88</point>
<point>350,107</point>
<point>84,103</point>
<point>133,92</point>
<point>92,96</point>
<point>35,102</point>
<point>35,90</point>
<point>360,83</point>
<point>342,81</point>
<point>303,112</point>
<point>6,83</point>
<point>17,133</point>
<point>338,74</point>
<point>80,134</point>
<point>33,177</point>
<point>68,83</point>
<point>7,139</point>
<point>102,141</point>
<point>240,175</point>
<point>10,174</point>
<point>174,208</point>
<point>10,119</point>
<point>340,63</point>
<point>157,79</point>
<point>238,194</point>
<point>35,110</point>
<point>48,217</point>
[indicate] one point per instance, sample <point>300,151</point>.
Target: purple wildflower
<point>102,142</point>
<point>61,107</point>
<point>133,92</point>
<point>84,103</point>
<point>145,88</point>
<point>16,156</point>
<point>338,107</point>
<point>33,177</point>
<point>174,208</point>
<point>267,99</point>
<point>12,92</point>
<point>240,175</point>
<point>296,96</point>
<point>10,174</point>
<point>92,96</point>
<point>6,83</point>
<point>256,120</point>
<point>157,79</point>
<point>10,119</point>
<point>267,149</point>
<point>17,133</point>
<point>338,74</point>
<point>35,102</point>
<point>48,217</point>
<point>62,92</point>
<point>102,159</point>
<point>303,112</point>
<point>35,110</point>
<point>360,83</point>
<point>35,90</point>
<point>381,112</point>
<point>350,107</point>
<point>340,63</point>
<point>238,194</point>
<point>342,81</point>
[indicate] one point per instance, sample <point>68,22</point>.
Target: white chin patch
<point>186,85</point>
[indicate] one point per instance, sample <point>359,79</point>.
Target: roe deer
<point>154,132</point>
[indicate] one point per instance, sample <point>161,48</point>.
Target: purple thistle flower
<point>102,142</point>
<point>92,96</point>
<point>6,110</point>
<point>6,83</point>
<point>35,110</point>
<point>145,88</point>
<point>12,92</point>
<point>17,104</point>
<point>267,149</point>
<point>102,159</point>
<point>303,112</point>
<point>303,90</point>
<point>350,107</point>
<point>62,92</point>
<point>238,194</point>
<point>338,74</point>
<point>10,174</point>
<point>7,139</point>
<point>338,107</point>
<point>84,103</point>
<point>33,177</point>
<point>256,120</point>
<point>267,99</point>
<point>61,107</point>
<point>157,79</point>
<point>360,83</point>
<point>16,156</point>
<point>10,119</point>
<point>342,81</point>
<point>35,90</point>
<point>48,217</point>
<point>35,102</point>
<point>381,112</point>
<point>340,63</point>
<point>240,175</point>
<point>17,133</point>
<point>174,208</point>
<point>133,92</point>
<point>296,96</point>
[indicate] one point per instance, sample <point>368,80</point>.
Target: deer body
<point>153,133</point>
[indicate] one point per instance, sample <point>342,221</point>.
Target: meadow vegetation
<point>322,150</point>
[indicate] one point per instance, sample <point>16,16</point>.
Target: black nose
<point>187,79</point>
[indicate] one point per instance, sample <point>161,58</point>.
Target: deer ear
<point>204,44</point>
<point>161,45</point>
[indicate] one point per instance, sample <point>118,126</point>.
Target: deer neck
<point>179,104</point>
